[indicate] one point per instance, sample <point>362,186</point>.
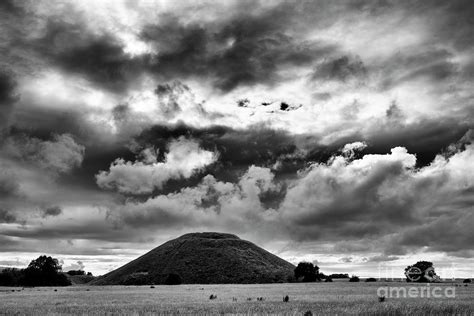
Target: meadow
<point>318,298</point>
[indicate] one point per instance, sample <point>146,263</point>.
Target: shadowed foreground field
<point>319,298</point>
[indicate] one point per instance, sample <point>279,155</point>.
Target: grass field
<point>319,298</point>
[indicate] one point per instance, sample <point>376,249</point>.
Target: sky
<point>336,132</point>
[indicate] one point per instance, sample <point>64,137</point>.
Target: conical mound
<point>202,258</point>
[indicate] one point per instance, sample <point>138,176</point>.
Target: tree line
<point>308,272</point>
<point>43,271</point>
<point>422,271</point>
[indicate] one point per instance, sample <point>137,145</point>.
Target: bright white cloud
<point>183,159</point>
<point>350,149</point>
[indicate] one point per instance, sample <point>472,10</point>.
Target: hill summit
<point>202,258</point>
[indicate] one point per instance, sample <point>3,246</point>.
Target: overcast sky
<point>338,132</point>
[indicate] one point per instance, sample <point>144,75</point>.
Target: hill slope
<point>202,258</point>
<point>80,279</point>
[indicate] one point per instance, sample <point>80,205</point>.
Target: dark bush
<point>328,279</point>
<point>354,279</point>
<point>371,280</point>
<point>11,277</point>
<point>136,279</point>
<point>76,272</point>
<point>466,281</point>
<point>173,279</point>
<point>339,276</point>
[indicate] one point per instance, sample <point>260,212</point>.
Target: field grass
<point>319,298</point>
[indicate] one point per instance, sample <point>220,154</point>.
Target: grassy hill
<point>79,279</point>
<point>202,258</point>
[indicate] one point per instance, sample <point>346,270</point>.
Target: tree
<point>45,271</point>
<point>339,276</point>
<point>10,277</point>
<point>45,264</point>
<point>422,271</point>
<point>307,271</point>
<point>76,272</point>
<point>354,278</point>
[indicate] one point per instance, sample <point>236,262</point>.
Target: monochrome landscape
<point>287,157</point>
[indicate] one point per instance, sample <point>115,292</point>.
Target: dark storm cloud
<point>425,62</point>
<point>59,154</point>
<point>381,258</point>
<point>237,148</point>
<point>346,260</point>
<point>51,211</point>
<point>90,230</point>
<point>244,50</point>
<point>34,126</point>
<point>158,218</point>
<point>360,212</point>
<point>169,95</point>
<point>449,21</point>
<point>448,233</point>
<point>98,158</point>
<point>425,138</point>
<point>32,118</point>
<point>460,145</point>
<point>398,207</point>
<point>342,69</point>
<point>8,96</point>
<point>9,243</point>
<point>10,6</point>
<point>7,88</point>
<point>6,216</point>
<point>394,112</point>
<point>390,209</point>
<point>261,146</point>
<point>68,43</point>
<point>120,112</point>
<point>455,23</point>
<point>9,185</point>
<point>103,61</point>
<point>100,58</point>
